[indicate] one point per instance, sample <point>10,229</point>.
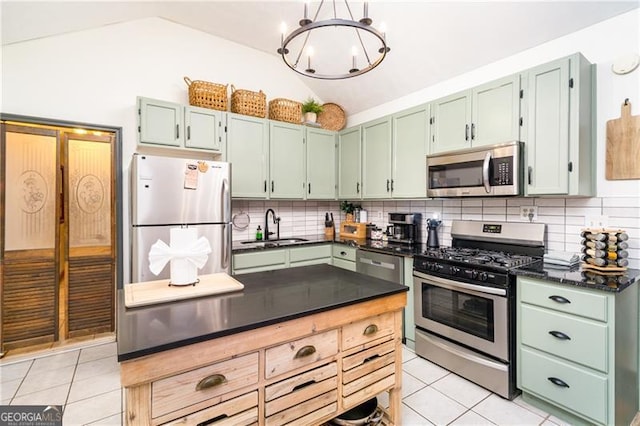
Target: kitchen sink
<point>288,240</point>
<point>274,243</point>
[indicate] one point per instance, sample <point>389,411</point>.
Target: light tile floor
<point>86,382</point>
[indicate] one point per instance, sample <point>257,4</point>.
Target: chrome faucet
<point>276,220</point>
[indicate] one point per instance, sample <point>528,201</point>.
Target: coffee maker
<point>404,228</point>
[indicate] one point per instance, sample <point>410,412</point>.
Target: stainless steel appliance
<point>464,300</point>
<point>385,266</point>
<point>404,228</point>
<point>168,192</point>
<point>495,170</point>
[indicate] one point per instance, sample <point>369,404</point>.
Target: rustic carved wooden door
<point>57,238</point>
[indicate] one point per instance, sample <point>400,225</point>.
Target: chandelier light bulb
<point>309,55</point>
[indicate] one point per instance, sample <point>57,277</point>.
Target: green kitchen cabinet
<point>376,158</point>
<point>248,153</point>
<point>258,261</point>
<point>344,256</point>
<point>310,255</point>
<point>349,164</point>
<point>410,147</point>
<point>488,114</point>
<point>577,351</point>
<point>168,124</point>
<point>286,160</point>
<point>321,164</point>
<point>558,127</point>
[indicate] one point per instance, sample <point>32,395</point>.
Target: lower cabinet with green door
<point>577,351</point>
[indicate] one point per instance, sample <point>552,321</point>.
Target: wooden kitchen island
<point>299,345</point>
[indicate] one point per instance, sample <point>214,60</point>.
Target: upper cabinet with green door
<point>558,128</point>
<point>349,171</point>
<point>376,158</point>
<point>485,115</point>
<point>162,123</point>
<point>286,160</point>
<point>410,148</point>
<point>321,164</point>
<point>248,153</point>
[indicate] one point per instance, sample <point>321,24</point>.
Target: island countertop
<point>267,298</point>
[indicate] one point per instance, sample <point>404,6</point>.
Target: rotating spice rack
<point>605,249</point>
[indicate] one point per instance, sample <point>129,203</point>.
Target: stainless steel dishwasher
<point>385,266</point>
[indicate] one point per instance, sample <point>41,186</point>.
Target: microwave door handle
<point>485,172</point>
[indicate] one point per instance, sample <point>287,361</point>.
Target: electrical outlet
<point>379,214</point>
<point>596,221</point>
<point>529,213</point>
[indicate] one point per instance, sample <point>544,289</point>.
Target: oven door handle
<point>485,172</point>
<point>455,285</point>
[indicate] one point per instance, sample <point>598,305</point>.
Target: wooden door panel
<point>91,294</point>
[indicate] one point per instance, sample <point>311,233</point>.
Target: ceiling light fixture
<point>333,42</point>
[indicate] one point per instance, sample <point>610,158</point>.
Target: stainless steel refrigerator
<point>169,192</point>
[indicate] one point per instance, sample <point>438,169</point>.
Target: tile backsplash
<point>564,217</point>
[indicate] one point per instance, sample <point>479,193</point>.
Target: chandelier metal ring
<point>335,22</point>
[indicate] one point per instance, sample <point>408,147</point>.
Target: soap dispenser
<point>259,233</point>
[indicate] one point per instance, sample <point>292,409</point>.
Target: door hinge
<point>571,83</point>
<point>431,120</point>
<point>520,121</point>
<point>139,130</point>
<point>225,129</point>
<point>570,166</point>
<point>521,93</point>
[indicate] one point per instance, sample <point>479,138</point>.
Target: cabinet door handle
<point>272,187</point>
<point>560,335</point>
<point>177,131</point>
<point>530,174</point>
<point>388,185</point>
<point>357,187</point>
<point>466,132</point>
<point>391,185</point>
<point>371,329</point>
<point>559,299</point>
<point>211,381</point>
<point>265,186</point>
<point>189,133</point>
<point>305,351</point>
<point>558,382</point>
<point>473,131</point>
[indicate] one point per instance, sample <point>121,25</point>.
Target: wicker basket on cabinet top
<point>248,103</point>
<point>207,95</point>
<point>285,110</point>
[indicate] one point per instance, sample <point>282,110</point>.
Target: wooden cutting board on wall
<point>623,145</point>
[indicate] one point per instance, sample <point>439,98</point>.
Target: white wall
<point>601,44</point>
<point>94,76</point>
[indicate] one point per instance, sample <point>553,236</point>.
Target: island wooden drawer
<point>307,412</point>
<point>303,387</point>
<point>577,389</point>
<point>291,355</point>
<point>204,383</point>
<point>568,336</point>
<point>361,332</point>
<point>368,360</point>
<point>341,251</point>
<point>563,299</point>
<point>239,411</point>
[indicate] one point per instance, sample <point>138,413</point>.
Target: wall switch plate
<point>596,221</point>
<point>529,213</point>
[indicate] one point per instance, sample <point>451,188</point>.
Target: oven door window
<point>465,312</point>
<point>458,175</point>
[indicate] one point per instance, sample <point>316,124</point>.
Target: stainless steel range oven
<point>464,300</point>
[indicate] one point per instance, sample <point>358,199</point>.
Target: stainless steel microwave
<point>496,170</point>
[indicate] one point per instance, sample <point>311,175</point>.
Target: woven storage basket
<point>332,117</point>
<point>285,110</point>
<point>207,95</point>
<point>248,103</point>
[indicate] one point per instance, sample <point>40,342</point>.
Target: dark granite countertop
<point>365,244</point>
<point>579,277</point>
<point>268,298</point>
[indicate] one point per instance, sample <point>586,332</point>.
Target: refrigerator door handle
<point>226,250</point>
<point>225,201</point>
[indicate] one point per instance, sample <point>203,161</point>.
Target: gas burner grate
<point>478,257</point>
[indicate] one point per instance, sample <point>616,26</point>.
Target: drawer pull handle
<point>371,358</point>
<point>371,329</point>
<point>343,253</point>
<point>304,385</point>
<point>213,420</point>
<point>560,335</point>
<point>559,299</point>
<point>211,381</point>
<point>305,351</point>
<point>558,382</point>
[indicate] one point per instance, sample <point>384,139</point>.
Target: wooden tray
<point>152,292</point>
<point>611,270</point>
<point>623,145</point>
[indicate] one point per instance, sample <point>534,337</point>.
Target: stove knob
<point>474,274</point>
<point>455,270</point>
<point>438,266</point>
<point>483,276</point>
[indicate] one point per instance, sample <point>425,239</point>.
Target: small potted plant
<point>311,109</point>
<point>348,208</point>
